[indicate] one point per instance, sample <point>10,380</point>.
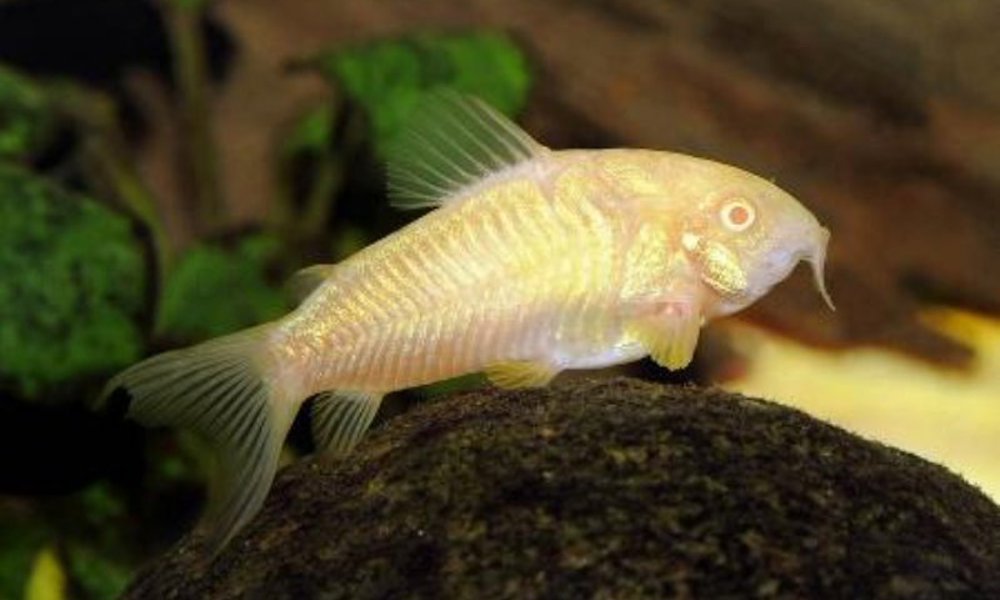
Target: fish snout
<point>780,259</point>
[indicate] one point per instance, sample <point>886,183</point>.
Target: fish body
<point>529,266</point>
<point>556,262</point>
<point>533,261</point>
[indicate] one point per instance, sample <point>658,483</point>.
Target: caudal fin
<point>221,390</point>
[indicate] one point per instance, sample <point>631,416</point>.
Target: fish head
<point>744,234</point>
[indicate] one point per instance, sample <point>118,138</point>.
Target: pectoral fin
<point>521,374</point>
<point>669,338</point>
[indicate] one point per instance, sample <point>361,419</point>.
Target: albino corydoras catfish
<point>532,261</point>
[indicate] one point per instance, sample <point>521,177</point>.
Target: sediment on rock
<point>604,489</point>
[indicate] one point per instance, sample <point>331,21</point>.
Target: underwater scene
<point>609,299</point>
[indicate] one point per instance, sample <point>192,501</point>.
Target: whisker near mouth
<point>817,259</point>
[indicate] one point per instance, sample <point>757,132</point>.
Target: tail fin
<point>220,389</point>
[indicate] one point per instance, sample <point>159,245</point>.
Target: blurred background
<point>164,166</point>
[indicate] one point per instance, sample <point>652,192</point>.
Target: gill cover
<point>719,266</point>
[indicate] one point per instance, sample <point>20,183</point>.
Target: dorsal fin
<point>454,141</point>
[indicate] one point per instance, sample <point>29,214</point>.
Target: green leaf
<point>26,119</point>
<point>312,133</point>
<point>93,532</point>
<point>72,284</point>
<point>388,78</point>
<point>23,538</point>
<point>214,290</point>
<point>94,570</point>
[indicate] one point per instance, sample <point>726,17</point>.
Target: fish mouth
<point>816,257</point>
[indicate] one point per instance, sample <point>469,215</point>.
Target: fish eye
<point>737,215</point>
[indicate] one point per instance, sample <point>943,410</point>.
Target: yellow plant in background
<point>47,580</point>
<point>946,416</point>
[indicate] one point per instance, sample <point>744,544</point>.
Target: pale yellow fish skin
<point>573,259</point>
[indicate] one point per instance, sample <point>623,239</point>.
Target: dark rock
<point>614,489</point>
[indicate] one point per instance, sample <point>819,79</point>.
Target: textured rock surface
<point>615,489</point>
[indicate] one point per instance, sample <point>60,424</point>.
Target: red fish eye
<point>737,215</point>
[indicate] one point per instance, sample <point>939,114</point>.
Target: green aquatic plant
<point>389,77</point>
<point>214,290</point>
<point>90,279</point>
<point>376,86</point>
<point>73,286</point>
<point>82,538</point>
<point>26,118</point>
<point>22,539</point>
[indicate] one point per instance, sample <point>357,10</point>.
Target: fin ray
<point>669,340</point>
<point>521,374</point>
<point>341,418</point>
<point>219,390</point>
<point>455,141</point>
